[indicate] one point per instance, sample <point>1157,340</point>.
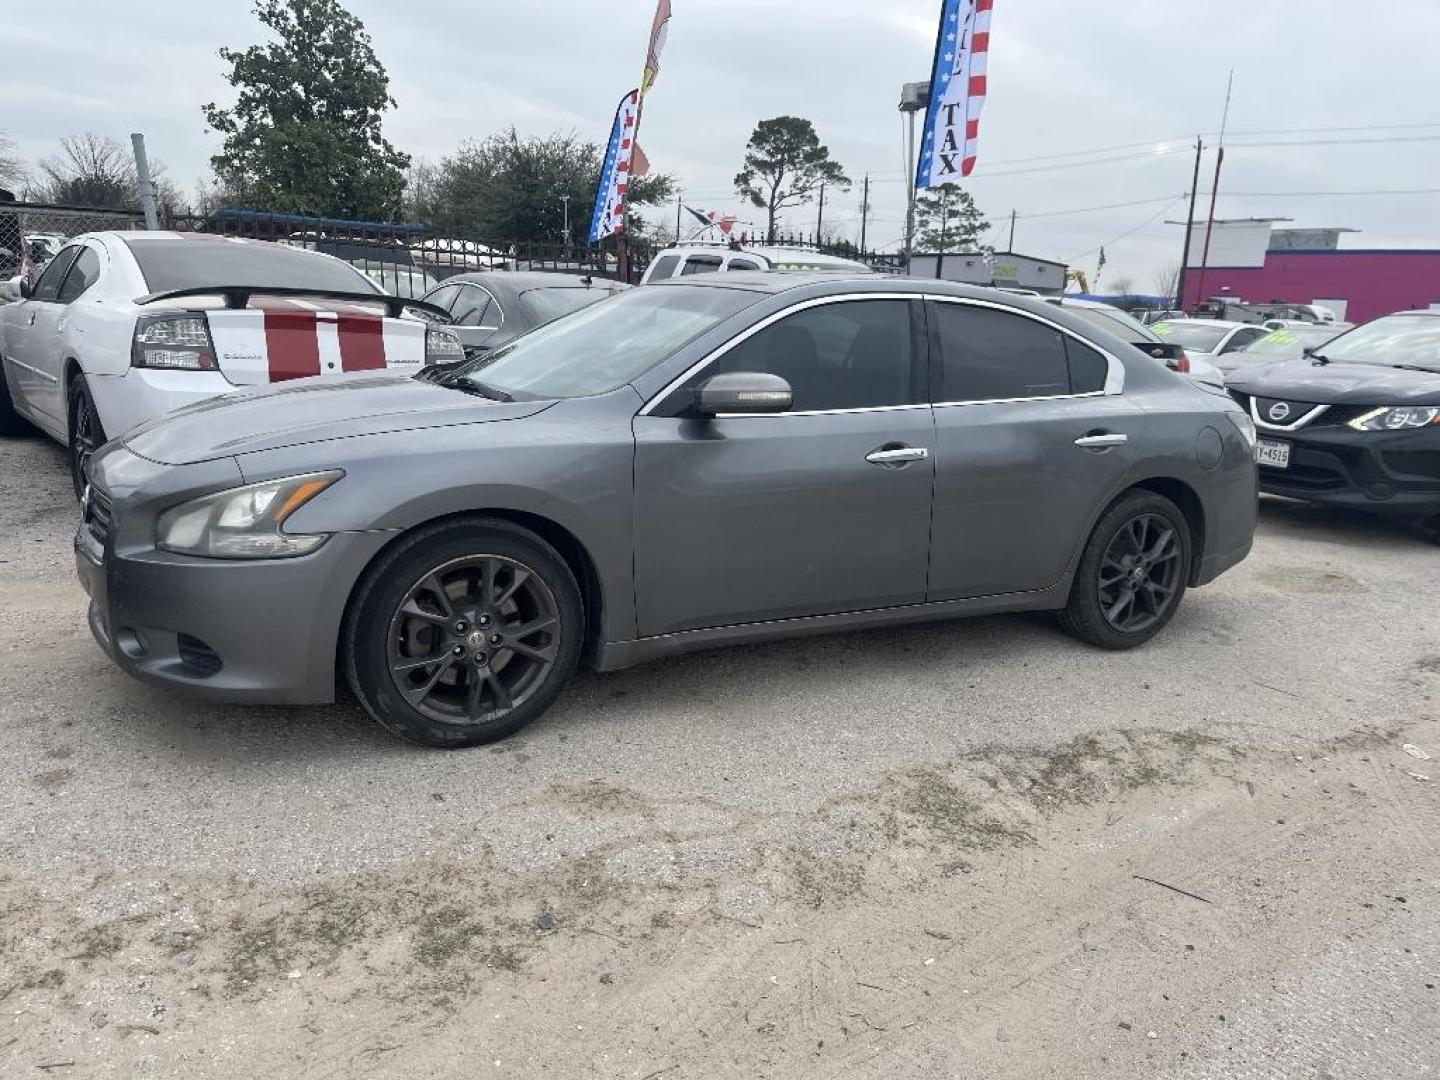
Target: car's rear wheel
<point>87,434</point>
<point>463,633</point>
<point>1132,574</point>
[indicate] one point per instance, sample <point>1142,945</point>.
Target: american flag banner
<point>957,93</point>
<point>608,217</point>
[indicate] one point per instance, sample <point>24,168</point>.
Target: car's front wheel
<point>463,633</point>
<point>87,433</point>
<point>1132,574</point>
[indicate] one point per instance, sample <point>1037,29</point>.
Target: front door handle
<point>1100,440</point>
<point>897,455</point>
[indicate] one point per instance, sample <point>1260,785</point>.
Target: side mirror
<point>751,392</point>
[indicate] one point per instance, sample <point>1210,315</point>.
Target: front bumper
<point>231,630</point>
<point>1385,472</point>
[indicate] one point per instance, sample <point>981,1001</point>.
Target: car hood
<point>312,410</point>
<point>1338,384</point>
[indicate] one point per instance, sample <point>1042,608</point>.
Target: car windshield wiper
<point>478,388</point>
<point>1417,367</point>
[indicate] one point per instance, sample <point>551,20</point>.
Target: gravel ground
<point>747,788</point>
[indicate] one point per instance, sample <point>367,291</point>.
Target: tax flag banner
<point>957,93</point>
<point>608,217</point>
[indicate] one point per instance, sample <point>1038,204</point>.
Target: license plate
<point>1273,453</point>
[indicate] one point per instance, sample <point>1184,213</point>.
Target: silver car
<point>738,457</point>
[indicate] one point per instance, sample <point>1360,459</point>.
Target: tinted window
<point>700,264</point>
<point>742,264</point>
<point>443,296</point>
<point>194,263</point>
<point>1115,321</point>
<point>1088,368</point>
<point>607,344</point>
<point>475,307</point>
<point>988,355</point>
<point>851,355</point>
<point>82,275</point>
<point>664,267</point>
<point>550,304</point>
<point>48,287</point>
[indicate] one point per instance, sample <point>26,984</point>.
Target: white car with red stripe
<point>125,326</point>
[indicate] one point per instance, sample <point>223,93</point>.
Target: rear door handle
<point>897,455</point>
<point>1100,440</point>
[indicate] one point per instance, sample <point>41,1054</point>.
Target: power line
<point>1128,232</point>
<point>1324,194</point>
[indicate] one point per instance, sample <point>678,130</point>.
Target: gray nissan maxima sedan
<point>704,461</point>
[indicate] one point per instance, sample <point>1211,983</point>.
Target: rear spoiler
<point>238,296</point>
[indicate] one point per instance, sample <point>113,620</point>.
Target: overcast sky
<point>1066,78</point>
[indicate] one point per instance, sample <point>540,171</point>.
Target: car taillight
<point>178,341</point>
<point>442,346</point>
<point>1182,362</point>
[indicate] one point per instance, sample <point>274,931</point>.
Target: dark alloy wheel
<point>473,639</point>
<point>1139,573</point>
<point>87,434</point>
<point>1132,574</point>
<point>463,632</point>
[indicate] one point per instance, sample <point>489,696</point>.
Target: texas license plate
<point>1273,453</point>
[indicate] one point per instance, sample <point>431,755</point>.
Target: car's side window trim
<point>1114,369</point>
<point>769,320</point>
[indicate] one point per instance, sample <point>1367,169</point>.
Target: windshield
<point>555,300</point>
<point>196,262</point>
<point>604,346</point>
<point>1192,334</point>
<point>1114,320</point>
<point>1290,341</point>
<point>1394,341</point>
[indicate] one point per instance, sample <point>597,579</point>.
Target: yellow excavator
<point>1079,278</point>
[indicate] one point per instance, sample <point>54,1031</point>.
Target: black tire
<point>1091,614</point>
<point>443,621</point>
<point>11,422</point>
<point>87,433</point>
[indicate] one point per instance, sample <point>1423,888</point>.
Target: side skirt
<point>615,655</point>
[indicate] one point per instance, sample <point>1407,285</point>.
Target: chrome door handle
<point>1098,442</point>
<point>898,455</point>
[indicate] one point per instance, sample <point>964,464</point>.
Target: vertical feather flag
<point>608,217</point>
<point>658,31</point>
<point>957,93</point>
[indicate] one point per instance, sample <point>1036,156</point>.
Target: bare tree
<point>12,168</point>
<point>1124,285</point>
<point>1167,280</point>
<point>96,170</point>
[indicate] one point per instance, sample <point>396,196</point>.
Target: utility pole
<point>678,196</point>
<point>820,217</point>
<point>565,200</point>
<point>146,185</point>
<point>1215,185</point>
<point>864,211</point>
<point>1189,227</point>
<point>944,221</point>
<point>1011,248</point>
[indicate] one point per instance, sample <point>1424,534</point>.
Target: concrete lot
<point>896,853</point>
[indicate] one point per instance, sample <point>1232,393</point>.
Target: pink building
<point>1253,262</point>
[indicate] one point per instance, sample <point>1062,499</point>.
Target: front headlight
<point>1396,419</point>
<point>244,522</point>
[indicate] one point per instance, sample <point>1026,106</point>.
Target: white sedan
<point>123,327</point>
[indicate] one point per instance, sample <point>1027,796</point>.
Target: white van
<point>714,258</point>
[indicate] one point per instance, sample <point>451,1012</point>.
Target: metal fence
<point>404,258</point>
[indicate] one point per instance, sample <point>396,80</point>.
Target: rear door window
<point>84,273</point>
<point>475,307</point>
<point>742,264</point>
<point>444,296</point>
<point>700,264</point>
<point>48,287</point>
<point>991,355</point>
